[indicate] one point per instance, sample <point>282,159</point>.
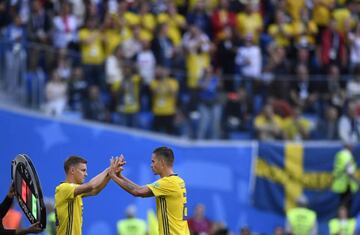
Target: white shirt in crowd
<point>56,97</point>
<point>78,9</point>
<point>193,44</point>
<point>354,48</point>
<point>113,70</point>
<point>131,47</point>
<point>145,62</point>
<point>249,60</point>
<point>349,132</point>
<point>65,31</point>
<point>353,88</point>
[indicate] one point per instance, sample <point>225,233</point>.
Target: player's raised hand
<point>121,160</point>
<point>116,165</point>
<point>112,166</point>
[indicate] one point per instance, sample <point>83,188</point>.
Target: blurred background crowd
<point>201,69</point>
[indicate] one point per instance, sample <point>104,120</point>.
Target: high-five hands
<point>116,165</point>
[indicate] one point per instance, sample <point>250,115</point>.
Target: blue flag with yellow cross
<point>286,170</point>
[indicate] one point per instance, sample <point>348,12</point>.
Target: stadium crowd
<point>202,69</point>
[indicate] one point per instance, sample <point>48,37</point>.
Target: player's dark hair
<point>166,153</point>
<point>72,161</point>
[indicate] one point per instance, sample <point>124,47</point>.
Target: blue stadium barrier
<point>219,174</point>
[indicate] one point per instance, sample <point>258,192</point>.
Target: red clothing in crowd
<point>197,226</point>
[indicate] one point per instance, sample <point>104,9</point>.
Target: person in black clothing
<point>4,207</point>
<point>226,58</point>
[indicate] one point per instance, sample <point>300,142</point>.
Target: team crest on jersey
<point>156,185</point>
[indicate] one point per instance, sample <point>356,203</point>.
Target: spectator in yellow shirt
<point>296,127</point>
<point>112,34</point>
<point>250,22</point>
<point>282,30</point>
<point>164,91</point>
<point>147,21</point>
<point>344,20</point>
<point>92,53</point>
<point>305,30</point>
<point>130,87</point>
<point>295,8</point>
<point>197,48</point>
<point>175,21</point>
<point>129,17</point>
<point>268,125</point>
<point>322,12</point>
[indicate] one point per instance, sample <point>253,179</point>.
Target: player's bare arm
<point>126,184</point>
<point>94,186</point>
<point>98,183</point>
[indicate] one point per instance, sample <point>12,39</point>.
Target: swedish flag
<point>284,171</point>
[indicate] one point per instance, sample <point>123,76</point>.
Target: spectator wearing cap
<point>131,225</point>
<point>300,219</point>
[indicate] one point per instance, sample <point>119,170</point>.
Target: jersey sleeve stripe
<point>70,219</point>
<point>164,215</point>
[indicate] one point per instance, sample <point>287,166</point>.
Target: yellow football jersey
<point>92,53</point>
<point>170,193</point>
<point>68,210</point>
<point>164,102</point>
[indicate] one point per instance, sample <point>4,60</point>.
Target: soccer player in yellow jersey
<point>69,194</point>
<point>169,190</point>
